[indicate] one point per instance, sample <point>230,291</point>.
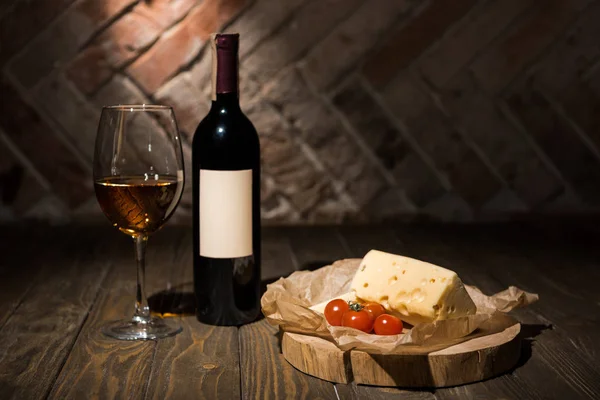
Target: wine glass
<point>138,178</point>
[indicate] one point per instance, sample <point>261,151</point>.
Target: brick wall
<point>367,110</point>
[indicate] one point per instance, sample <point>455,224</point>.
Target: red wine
<point>226,198</point>
<point>137,205</point>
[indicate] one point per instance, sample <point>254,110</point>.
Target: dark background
<point>368,111</point>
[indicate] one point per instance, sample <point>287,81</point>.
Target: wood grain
<point>317,357</point>
<point>264,372</point>
<point>355,391</point>
<point>41,332</point>
<point>202,362</point>
<point>267,375</point>
<point>99,366</point>
<point>471,361</point>
<point>574,322</point>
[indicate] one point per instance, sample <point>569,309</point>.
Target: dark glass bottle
<point>226,200</point>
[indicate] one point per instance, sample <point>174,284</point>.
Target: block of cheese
<point>414,290</point>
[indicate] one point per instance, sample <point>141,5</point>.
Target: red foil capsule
<point>225,63</point>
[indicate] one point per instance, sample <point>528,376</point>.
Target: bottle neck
<point>225,67</point>
<point>228,101</point>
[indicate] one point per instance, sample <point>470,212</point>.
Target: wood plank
<point>267,375</point>
<point>567,284</point>
<point>572,348</point>
<point>380,393</point>
<point>565,252</point>
<point>265,372</point>
<point>99,365</point>
<point>545,357</point>
<point>21,269</point>
<point>40,334</point>
<point>567,263</point>
<point>555,360</point>
<point>202,361</point>
<point>564,358</point>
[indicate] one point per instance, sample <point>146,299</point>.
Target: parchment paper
<point>286,303</point>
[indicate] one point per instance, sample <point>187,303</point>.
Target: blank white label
<point>225,213</point>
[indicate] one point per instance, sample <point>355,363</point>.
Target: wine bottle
<point>226,200</point>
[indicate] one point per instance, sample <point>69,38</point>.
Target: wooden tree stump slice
<point>471,361</point>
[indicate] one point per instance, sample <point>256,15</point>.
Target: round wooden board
<point>471,361</point>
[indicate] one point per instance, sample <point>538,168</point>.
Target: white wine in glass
<point>138,178</point>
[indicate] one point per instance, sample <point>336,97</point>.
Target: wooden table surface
<point>58,285</point>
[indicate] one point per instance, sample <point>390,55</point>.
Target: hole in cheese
<point>402,309</point>
<point>432,280</point>
<point>392,279</point>
<point>366,284</point>
<point>401,297</point>
<point>417,295</point>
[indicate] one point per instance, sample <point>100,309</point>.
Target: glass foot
<point>155,328</point>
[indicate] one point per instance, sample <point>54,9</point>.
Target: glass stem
<point>142,311</point>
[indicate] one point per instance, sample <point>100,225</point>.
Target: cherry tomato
<point>358,320</point>
<point>334,311</point>
<point>374,310</point>
<point>387,324</point>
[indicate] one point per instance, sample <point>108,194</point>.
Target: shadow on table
<point>528,333</point>
<point>178,300</point>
